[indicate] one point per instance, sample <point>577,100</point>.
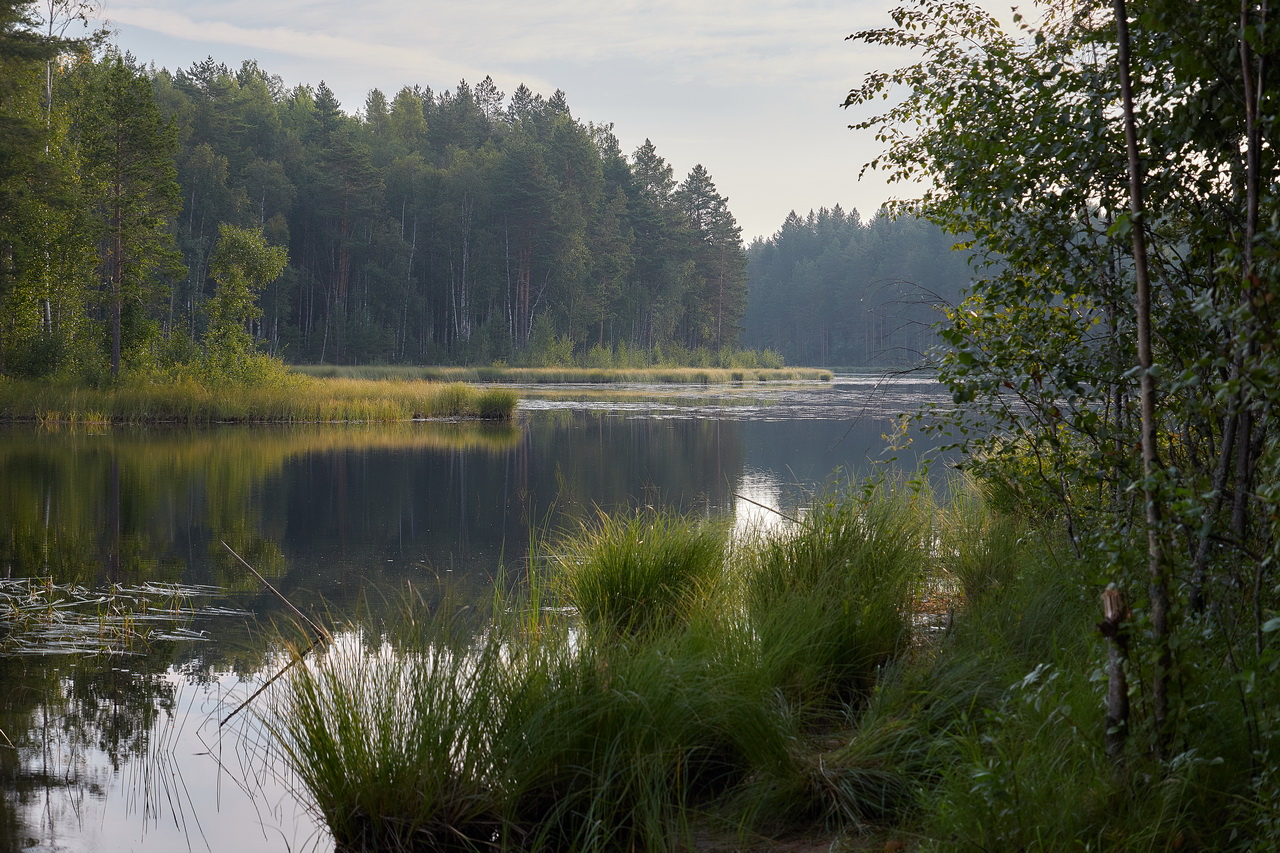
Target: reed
<point>569,375</point>
<point>297,400</point>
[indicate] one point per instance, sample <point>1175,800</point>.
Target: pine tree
<point>128,152</point>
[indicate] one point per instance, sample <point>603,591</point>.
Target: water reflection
<point>123,752</point>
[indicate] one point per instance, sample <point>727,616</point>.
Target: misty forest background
<point>460,226</point>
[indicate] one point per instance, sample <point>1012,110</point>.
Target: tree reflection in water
<point>115,738</point>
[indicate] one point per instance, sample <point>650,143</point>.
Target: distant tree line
<point>458,226</point>
<point>829,289</point>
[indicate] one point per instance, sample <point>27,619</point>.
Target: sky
<point>750,89</point>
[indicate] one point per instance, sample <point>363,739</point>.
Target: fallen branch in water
<point>321,635</point>
<point>766,507</point>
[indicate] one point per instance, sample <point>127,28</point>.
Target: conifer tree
<point>132,182</point>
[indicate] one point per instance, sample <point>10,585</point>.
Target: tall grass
<point>297,400</point>
<point>636,573</point>
<point>396,749</point>
<point>831,600</point>
<point>657,686</point>
<point>643,703</point>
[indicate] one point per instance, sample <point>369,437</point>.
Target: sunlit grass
<point>299,399</point>
<point>636,573</point>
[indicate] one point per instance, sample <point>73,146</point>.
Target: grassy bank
<point>922,673</point>
<point>581,375</point>
<point>655,684</point>
<point>296,399</point>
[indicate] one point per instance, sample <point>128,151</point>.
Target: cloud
<point>742,86</point>
<point>328,47</point>
<point>721,43</point>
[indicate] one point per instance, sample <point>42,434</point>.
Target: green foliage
<point>131,189</point>
<point>480,216</point>
<point>439,227</point>
<point>242,265</point>
<point>546,348</point>
<point>1017,132</point>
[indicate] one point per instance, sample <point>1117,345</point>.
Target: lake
<point>134,630</point>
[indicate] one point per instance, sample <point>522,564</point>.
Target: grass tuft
<point>831,599</point>
<point>640,572</point>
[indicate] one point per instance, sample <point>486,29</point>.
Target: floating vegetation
<point>40,617</point>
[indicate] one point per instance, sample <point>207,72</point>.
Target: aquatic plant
<point>40,617</point>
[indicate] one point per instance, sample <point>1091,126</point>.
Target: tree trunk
<point>1159,582</point>
<point>117,277</point>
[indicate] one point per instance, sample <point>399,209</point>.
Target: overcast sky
<point>749,88</point>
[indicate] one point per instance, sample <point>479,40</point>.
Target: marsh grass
<point>759,688</point>
<point>294,399</point>
<point>986,550</point>
<point>638,572</point>
<point>622,743</point>
<point>396,748</point>
<point>570,375</point>
<point>637,690</point>
<point>831,598</point>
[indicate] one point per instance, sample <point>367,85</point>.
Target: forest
<point>830,289</point>
<point>459,226</point>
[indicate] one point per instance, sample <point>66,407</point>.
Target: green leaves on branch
<point>242,265</point>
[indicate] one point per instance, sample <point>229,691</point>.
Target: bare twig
<point>319,631</point>
<point>321,635</point>
<point>764,507</point>
<point>272,680</point>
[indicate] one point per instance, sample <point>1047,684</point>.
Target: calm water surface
<point>116,743</point>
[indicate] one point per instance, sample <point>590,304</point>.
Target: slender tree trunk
<point>1199,573</point>
<point>1158,579</point>
<point>117,277</point>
